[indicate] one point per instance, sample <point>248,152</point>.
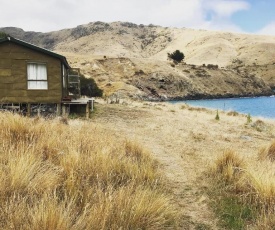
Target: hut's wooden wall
<point>13,75</point>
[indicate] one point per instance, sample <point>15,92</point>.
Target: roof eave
<point>31,46</point>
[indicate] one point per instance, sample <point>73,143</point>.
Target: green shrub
<point>177,56</point>
<point>249,119</point>
<point>89,87</point>
<point>217,116</point>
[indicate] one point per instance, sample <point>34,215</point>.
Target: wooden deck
<point>79,104</point>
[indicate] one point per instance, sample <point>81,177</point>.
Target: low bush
<point>217,117</point>
<point>233,113</point>
<point>211,66</point>
<point>89,87</point>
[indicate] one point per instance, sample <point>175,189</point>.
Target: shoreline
<point>205,97</point>
<point>243,105</point>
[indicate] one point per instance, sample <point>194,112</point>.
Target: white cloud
<point>268,29</point>
<point>223,25</point>
<point>220,13</point>
<point>177,13</point>
<point>225,8</point>
<point>58,14</point>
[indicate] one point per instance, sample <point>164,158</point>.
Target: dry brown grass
<point>229,167</point>
<point>267,153</point>
<point>260,185</point>
<point>266,222</point>
<point>253,183</point>
<point>77,176</point>
<point>260,126</point>
<point>233,113</point>
<point>198,109</point>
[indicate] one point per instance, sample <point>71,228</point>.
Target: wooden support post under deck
<point>63,110</point>
<point>92,105</point>
<point>28,110</point>
<point>39,111</point>
<point>58,110</point>
<point>88,110</point>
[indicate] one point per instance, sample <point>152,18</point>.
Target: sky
<point>242,16</point>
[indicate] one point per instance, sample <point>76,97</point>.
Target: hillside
<point>136,63</point>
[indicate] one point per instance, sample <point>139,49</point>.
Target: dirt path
<point>185,142</point>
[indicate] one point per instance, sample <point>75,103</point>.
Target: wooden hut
<point>31,76</point>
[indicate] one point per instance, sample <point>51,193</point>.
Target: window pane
<point>41,72</point>
<point>42,84</point>
<point>37,71</point>
<point>37,85</point>
<point>32,72</point>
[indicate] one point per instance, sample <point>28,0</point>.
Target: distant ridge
<point>243,54</point>
<point>132,40</point>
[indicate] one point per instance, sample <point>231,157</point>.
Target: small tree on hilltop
<point>177,56</point>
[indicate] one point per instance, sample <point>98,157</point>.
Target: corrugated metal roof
<point>39,49</point>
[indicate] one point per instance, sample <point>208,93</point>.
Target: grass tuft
<point>229,167</point>
<point>233,113</point>
<point>267,153</point>
<point>245,193</point>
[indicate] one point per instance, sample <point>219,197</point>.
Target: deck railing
<point>74,83</point>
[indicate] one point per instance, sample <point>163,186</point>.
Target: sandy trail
<point>185,142</point>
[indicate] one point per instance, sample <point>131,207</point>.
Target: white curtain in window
<point>64,76</point>
<point>37,76</point>
<point>37,72</point>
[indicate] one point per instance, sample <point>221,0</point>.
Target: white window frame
<point>37,76</point>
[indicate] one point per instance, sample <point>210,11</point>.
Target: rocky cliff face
<point>131,59</point>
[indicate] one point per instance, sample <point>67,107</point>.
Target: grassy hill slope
<point>85,46</point>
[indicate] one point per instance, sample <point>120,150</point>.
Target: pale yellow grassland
<point>187,141</point>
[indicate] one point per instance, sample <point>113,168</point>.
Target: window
<point>37,76</point>
<point>64,77</point>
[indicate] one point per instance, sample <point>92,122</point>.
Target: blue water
<point>259,106</point>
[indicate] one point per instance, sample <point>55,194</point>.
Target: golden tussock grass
<point>267,153</point>
<point>77,176</point>
<point>260,185</point>
<point>229,167</point>
<point>251,184</point>
<point>233,113</point>
<point>266,222</point>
